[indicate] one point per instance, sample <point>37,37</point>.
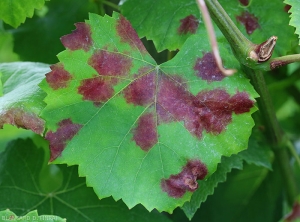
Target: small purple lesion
<point>177,185</point>
<point>244,2</point>
<point>207,69</point>
<point>59,139</point>
<point>145,134</point>
<point>189,24</point>
<point>58,77</point>
<point>111,64</point>
<point>97,89</point>
<point>129,35</point>
<point>249,21</point>
<point>23,119</point>
<point>80,38</point>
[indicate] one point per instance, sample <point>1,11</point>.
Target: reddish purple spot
<point>23,119</point>
<point>207,69</point>
<point>145,134</point>
<point>277,64</point>
<point>59,139</point>
<point>96,89</point>
<point>188,24</point>
<point>209,110</point>
<point>80,38</point>
<point>110,63</point>
<point>141,91</point>
<point>287,8</point>
<point>244,2</point>
<point>129,35</point>
<point>249,21</point>
<point>177,185</point>
<point>58,77</point>
<point>295,214</point>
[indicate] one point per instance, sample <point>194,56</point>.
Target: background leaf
<point>110,107</point>
<point>22,101</point>
<point>294,14</point>
<point>165,22</point>
<point>7,215</point>
<point>155,17</point>
<point>55,190</point>
<point>14,12</point>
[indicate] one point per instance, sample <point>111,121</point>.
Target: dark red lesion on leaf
<point>24,119</point>
<point>208,110</point>
<point>145,134</point>
<point>111,64</point>
<point>129,35</point>
<point>249,21</point>
<point>80,38</point>
<point>59,139</point>
<point>97,89</point>
<point>58,77</point>
<point>207,69</point>
<point>141,91</point>
<point>177,185</point>
<point>189,24</point>
<point>295,214</point>
<point>244,2</point>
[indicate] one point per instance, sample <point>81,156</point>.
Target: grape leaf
<point>14,12</point>
<point>22,101</point>
<point>6,47</point>
<point>294,15</point>
<point>151,19</point>
<point>7,215</point>
<point>56,190</point>
<point>140,131</point>
<point>167,23</point>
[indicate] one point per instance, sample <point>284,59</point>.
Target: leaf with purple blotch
<point>141,131</point>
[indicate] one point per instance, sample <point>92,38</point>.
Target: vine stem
<point>242,48</point>
<point>279,141</point>
<point>212,38</point>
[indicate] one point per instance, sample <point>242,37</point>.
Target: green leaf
<point>7,215</point>
<point>258,152</point>
<point>208,186</point>
<point>137,129</point>
<point>56,190</point>
<point>38,39</point>
<point>165,22</point>
<point>294,15</point>
<point>22,101</point>
<point>14,12</point>
<point>256,23</point>
<point>6,47</point>
<point>152,18</point>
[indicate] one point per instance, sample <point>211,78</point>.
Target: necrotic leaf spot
<point>177,185</point>
<point>129,35</point>
<point>58,77</point>
<point>96,89</point>
<point>249,21</point>
<point>80,38</point>
<point>110,63</point>
<point>58,140</point>
<point>208,110</point>
<point>207,69</point>
<point>141,91</point>
<point>244,2</point>
<point>23,119</point>
<point>145,134</point>
<point>188,24</point>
